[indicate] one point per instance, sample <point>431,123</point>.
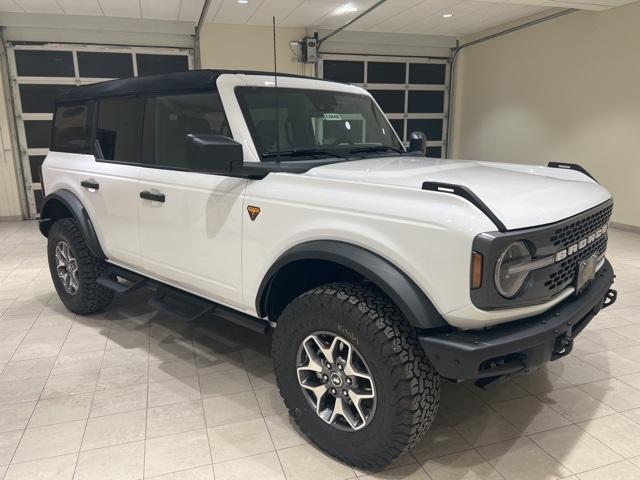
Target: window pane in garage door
<point>156,64</point>
<point>431,127</point>
<point>391,101</point>
<point>426,101</point>
<point>343,71</point>
<point>434,152</point>
<point>386,72</point>
<point>44,63</point>
<point>38,133</point>
<point>105,65</point>
<point>427,73</point>
<point>35,161</point>
<point>39,98</point>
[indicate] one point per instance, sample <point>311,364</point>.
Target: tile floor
<point>130,394</point>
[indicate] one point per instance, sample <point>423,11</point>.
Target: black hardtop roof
<point>154,84</point>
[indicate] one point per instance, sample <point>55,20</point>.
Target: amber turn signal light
<point>476,270</point>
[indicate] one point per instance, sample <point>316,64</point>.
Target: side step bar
<point>183,305</point>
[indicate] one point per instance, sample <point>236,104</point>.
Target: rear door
<point>109,186</point>
<point>190,223</point>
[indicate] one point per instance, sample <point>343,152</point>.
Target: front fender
<point>408,297</point>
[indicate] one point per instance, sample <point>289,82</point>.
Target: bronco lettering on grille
<point>580,244</point>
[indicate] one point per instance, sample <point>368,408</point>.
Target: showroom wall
<point>565,90</point>
<point>250,47</point>
<point>9,195</point>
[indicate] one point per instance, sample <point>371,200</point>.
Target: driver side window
<point>170,118</point>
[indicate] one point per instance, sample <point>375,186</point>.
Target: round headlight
<point>509,280</point>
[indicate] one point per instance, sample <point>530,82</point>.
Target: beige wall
<point>9,196</point>
<point>250,48</point>
<point>566,90</point>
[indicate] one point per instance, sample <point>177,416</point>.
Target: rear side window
<point>120,128</point>
<point>70,129</point>
<point>171,118</point>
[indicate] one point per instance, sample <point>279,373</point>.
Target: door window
<point>119,135</point>
<point>171,118</point>
<point>70,128</point>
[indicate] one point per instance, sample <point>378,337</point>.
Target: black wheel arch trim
<point>409,298</point>
<point>74,205</point>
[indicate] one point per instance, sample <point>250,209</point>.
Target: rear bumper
<point>523,345</point>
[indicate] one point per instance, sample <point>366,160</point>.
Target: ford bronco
<point>289,204</point>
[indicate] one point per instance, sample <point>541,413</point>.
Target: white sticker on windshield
<point>332,116</point>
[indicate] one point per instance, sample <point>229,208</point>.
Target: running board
<point>175,302</point>
<point>120,280</point>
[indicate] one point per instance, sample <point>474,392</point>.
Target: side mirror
<point>211,153</point>
<point>418,143</point>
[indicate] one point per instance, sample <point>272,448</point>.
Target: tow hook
<point>562,347</point>
<point>610,298</point>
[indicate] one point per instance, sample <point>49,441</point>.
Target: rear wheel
<point>74,269</point>
<point>353,375</point>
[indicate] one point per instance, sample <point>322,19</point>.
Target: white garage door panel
<point>39,72</point>
<point>413,92</point>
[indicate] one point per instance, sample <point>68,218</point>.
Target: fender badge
<point>253,212</point>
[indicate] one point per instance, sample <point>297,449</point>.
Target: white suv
<point>290,204</point>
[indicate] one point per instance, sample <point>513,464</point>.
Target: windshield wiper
<point>300,152</point>
<point>376,148</point>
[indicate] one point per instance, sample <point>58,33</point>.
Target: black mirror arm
<point>254,170</point>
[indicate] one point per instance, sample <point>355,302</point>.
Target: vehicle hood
<point>519,195</point>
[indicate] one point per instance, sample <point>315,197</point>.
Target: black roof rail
<point>467,194</point>
<point>571,166</point>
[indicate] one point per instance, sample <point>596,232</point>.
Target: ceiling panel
<point>398,16</point>
<point>10,6</point>
<point>164,10</point>
<point>121,8</point>
<point>80,7</point>
<point>267,9</point>
<point>190,10</point>
<point>39,6</point>
<point>231,11</point>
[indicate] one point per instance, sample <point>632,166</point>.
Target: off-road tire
<point>90,297</point>
<point>407,385</point>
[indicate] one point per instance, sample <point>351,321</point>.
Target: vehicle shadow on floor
<point>481,431</point>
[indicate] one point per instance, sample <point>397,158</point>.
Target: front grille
<point>563,273</point>
<point>571,233</point>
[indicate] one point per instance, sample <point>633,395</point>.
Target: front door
<point>190,223</point>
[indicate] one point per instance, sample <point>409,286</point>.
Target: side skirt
<point>180,304</point>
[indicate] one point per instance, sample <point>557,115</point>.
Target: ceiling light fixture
<point>346,8</point>
<point>444,15</point>
<point>242,2</point>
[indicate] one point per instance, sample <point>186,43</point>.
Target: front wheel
<point>353,375</point>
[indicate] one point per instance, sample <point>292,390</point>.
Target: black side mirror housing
<point>211,153</point>
<point>418,143</point>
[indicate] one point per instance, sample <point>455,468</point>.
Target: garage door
<point>413,92</point>
<point>38,72</point>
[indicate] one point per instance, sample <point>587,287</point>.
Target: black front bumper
<point>521,345</point>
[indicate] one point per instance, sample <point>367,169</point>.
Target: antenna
<point>275,76</point>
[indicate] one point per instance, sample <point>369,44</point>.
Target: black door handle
<point>90,184</point>
<point>155,197</point>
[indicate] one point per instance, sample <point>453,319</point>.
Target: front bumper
<point>519,346</point>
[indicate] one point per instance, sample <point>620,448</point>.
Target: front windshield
<point>314,122</point>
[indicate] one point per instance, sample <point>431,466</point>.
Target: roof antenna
<point>275,74</point>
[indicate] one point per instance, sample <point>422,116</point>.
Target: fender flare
<point>408,297</point>
<point>73,204</point>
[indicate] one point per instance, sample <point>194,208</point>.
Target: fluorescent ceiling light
<point>444,15</point>
<point>346,8</point>
<point>242,2</point>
